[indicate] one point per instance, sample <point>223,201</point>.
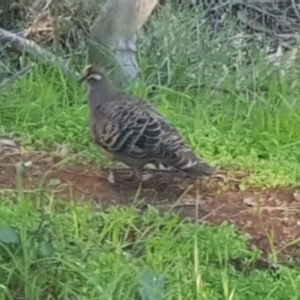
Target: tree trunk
<point>112,45</point>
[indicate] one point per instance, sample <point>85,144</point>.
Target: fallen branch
<point>22,45</point>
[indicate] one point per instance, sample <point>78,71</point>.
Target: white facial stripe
<point>95,76</point>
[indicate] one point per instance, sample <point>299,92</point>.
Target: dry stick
<point>211,213</point>
<point>24,45</point>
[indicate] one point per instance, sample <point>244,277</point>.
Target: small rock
<point>285,221</point>
<point>111,178</point>
<point>242,187</point>
<point>250,201</point>
<point>27,164</point>
<point>296,196</point>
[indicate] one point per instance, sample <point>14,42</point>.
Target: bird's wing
<point>161,142</point>
<point>138,130</point>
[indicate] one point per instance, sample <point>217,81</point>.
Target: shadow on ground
<point>270,216</point>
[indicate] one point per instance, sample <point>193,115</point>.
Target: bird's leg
<point>136,176</point>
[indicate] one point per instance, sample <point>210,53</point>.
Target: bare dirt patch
<point>270,216</point>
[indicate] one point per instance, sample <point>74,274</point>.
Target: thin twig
<point>211,213</point>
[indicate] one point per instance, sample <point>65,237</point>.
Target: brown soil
<point>270,216</point>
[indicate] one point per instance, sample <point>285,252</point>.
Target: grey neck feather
<point>100,91</point>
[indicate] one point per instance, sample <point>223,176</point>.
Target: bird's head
<point>91,74</point>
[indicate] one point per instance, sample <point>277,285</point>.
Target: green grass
<point>74,251</point>
<point>78,251</point>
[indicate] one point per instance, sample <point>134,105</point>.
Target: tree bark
<point>112,44</point>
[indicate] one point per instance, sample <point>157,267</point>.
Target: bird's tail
<point>189,163</point>
<point>199,169</point>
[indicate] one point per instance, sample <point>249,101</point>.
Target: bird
<point>132,131</point>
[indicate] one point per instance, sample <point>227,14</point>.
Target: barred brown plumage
<point>132,131</point>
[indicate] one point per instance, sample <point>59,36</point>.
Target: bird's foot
<point>132,179</point>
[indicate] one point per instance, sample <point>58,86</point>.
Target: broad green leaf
<point>151,286</point>
<point>8,235</point>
